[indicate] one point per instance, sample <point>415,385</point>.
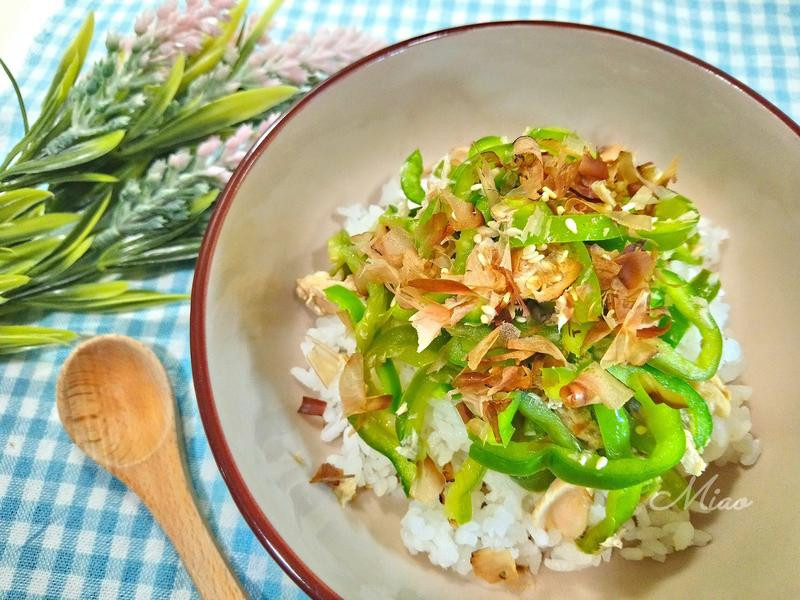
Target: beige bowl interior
<point>740,163</point>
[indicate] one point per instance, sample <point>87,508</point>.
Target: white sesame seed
<point>486,319</point>
<point>521,319</point>
<point>477,238</point>
<point>475,187</point>
<point>515,231</point>
<point>571,225</point>
<point>492,224</point>
<point>403,408</point>
<point>560,210</point>
<point>444,271</point>
<point>601,462</point>
<point>583,459</point>
<point>488,310</point>
<point>628,207</point>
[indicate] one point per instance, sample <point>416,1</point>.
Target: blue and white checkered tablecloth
<point>70,530</point>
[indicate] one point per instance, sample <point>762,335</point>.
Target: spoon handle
<point>162,483</point>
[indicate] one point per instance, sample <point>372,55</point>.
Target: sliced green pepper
<point>522,459</point>
<point>464,245</point>
<point>375,314</point>
<point>342,252</point>
<point>615,429</point>
<point>673,391</point>
<point>390,381</point>
<point>465,175</point>
<point>464,338</point>
<point>410,178</point>
<point>676,220</point>
<point>538,482</point>
<point>505,420</point>
<point>377,429</point>
<point>458,498</point>
<point>555,378</point>
<point>620,506</point>
<point>535,410</point>
<point>542,227</point>
<point>705,285</point>
<point>421,389</point>
<point>400,342</point>
<point>668,359</point>
<point>347,300</point>
<point>588,303</point>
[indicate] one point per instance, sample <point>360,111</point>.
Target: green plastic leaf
<point>200,204</point>
<point>160,101</point>
<point>76,237</point>
<point>18,338</point>
<point>128,300</point>
<point>215,48</point>
<point>246,49</point>
<point>65,261</point>
<point>79,177</point>
<point>76,155</point>
<point>16,202</point>
<point>75,54</point>
<point>214,116</point>
<point>24,229</point>
<point>35,248</point>
<point>410,176</point>
<point>10,282</point>
<point>12,196</point>
<point>20,101</point>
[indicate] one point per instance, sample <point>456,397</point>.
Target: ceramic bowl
<point>740,163</point>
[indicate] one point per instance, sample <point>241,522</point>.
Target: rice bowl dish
<point>586,346</point>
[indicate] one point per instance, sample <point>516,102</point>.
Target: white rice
<point>502,510</point>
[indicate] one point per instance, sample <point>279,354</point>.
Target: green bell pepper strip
<point>390,381</point>
<point>421,389</point>
<point>620,506</point>
<point>377,429</point>
<point>554,378</point>
<point>465,175</point>
<point>668,359</point>
<point>347,300</point>
<point>522,459</point>
<point>400,342</point>
<point>485,143</point>
<point>675,486</point>
<point>342,252</point>
<point>464,338</point>
<point>535,410</point>
<point>705,285</point>
<point>676,220</point>
<point>410,178</point>
<point>573,334</point>
<point>542,227</point>
<point>673,391</point>
<point>505,420</point>
<point>559,134</point>
<point>615,429</point>
<point>537,482</point>
<point>458,498</point>
<point>375,314</point>
<point>589,304</point>
<point>464,245</point>
<point>481,202</point>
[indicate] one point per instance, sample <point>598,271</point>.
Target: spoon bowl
<point>97,412</point>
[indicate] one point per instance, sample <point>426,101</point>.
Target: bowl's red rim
<point>266,533</point>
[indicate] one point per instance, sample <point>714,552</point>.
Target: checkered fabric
<point>70,530</point>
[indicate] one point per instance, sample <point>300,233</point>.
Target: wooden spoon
<point>116,404</point>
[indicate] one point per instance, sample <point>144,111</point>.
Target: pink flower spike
<point>143,21</point>
<point>209,147</point>
<point>179,160</point>
<point>167,9</point>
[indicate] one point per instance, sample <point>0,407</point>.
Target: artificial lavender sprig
<point>115,90</point>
